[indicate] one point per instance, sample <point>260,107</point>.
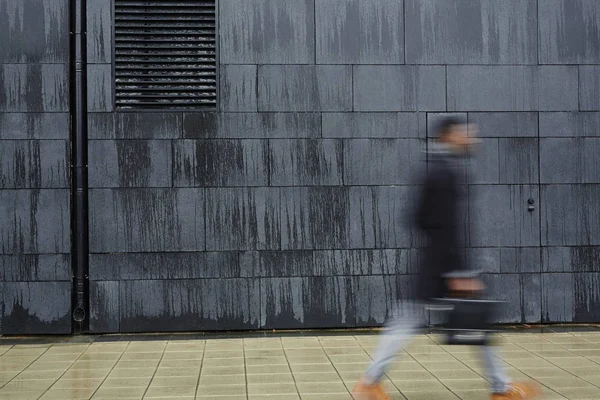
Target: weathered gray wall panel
<point>243,219</point>
<point>36,307</point>
<point>522,294</point>
<point>155,266</point>
<point>99,31</point>
<point>305,88</point>
<point>314,218</point>
<point>35,221</point>
<point>100,88</point>
<point>105,306</point>
<point>570,215</point>
<point>34,31</point>
<point>507,260</point>
<point>570,160</point>
<point>589,88</point>
<point>381,161</point>
<point>308,302</point>
<point>129,163</point>
<point>512,88</point>
<point>135,125</point>
<point>35,267</point>
<point>141,220</point>
<point>238,87</point>
<point>31,164</point>
<point>358,32</point>
<point>298,263</point>
<point>570,124</point>
<point>506,124</point>
<point>19,126</point>
<point>571,259</point>
<point>220,163</point>
<point>399,88</point>
<point>499,217</point>
<point>507,161</point>
<point>34,87</point>
<point>379,217</point>
<point>267,31</point>
<point>569,31</point>
<point>251,125</point>
<point>471,32</point>
<point>306,162</point>
<point>184,305</point>
<point>374,125</point>
<point>571,297</point>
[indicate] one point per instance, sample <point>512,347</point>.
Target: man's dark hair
<point>446,124</point>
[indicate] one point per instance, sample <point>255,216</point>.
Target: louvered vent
<point>165,54</point>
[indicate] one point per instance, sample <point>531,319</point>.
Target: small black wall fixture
<point>80,253</point>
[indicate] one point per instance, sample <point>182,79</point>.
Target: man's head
<point>457,133</point>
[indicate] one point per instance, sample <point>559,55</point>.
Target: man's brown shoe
<point>365,391</point>
<point>520,391</point>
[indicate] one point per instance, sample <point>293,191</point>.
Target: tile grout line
<point>111,370</point>
<point>158,366</point>
<point>68,369</point>
<point>245,368</point>
<point>23,370</point>
<point>200,371</point>
<point>290,367</point>
<point>10,348</point>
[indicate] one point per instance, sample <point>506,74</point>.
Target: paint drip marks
<point>327,216</point>
<point>282,303</point>
<point>320,163</point>
<point>378,294</point>
<point>105,307</point>
<point>519,161</point>
<point>180,305</point>
<point>28,267</point>
<point>135,163</point>
<point>585,259</point>
<point>221,163</point>
<point>36,308</point>
<point>231,162</point>
<point>150,219</point>
<point>243,219</point>
<point>20,165</point>
<point>315,302</point>
<point>25,210</point>
<point>586,291</point>
<point>328,302</point>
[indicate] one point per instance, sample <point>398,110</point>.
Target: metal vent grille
<point>165,54</point>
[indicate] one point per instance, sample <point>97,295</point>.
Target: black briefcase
<point>467,321</point>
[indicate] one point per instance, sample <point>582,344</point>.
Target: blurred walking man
<point>440,213</point>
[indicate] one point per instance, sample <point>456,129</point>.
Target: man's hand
<point>465,285</point>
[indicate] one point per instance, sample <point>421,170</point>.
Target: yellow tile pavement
<point>305,367</point>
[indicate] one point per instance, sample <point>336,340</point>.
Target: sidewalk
<point>284,367</point>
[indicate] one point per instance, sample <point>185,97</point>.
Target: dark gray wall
<point>35,261</point>
<point>284,209</point>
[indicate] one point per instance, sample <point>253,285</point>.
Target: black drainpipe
<point>79,166</point>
